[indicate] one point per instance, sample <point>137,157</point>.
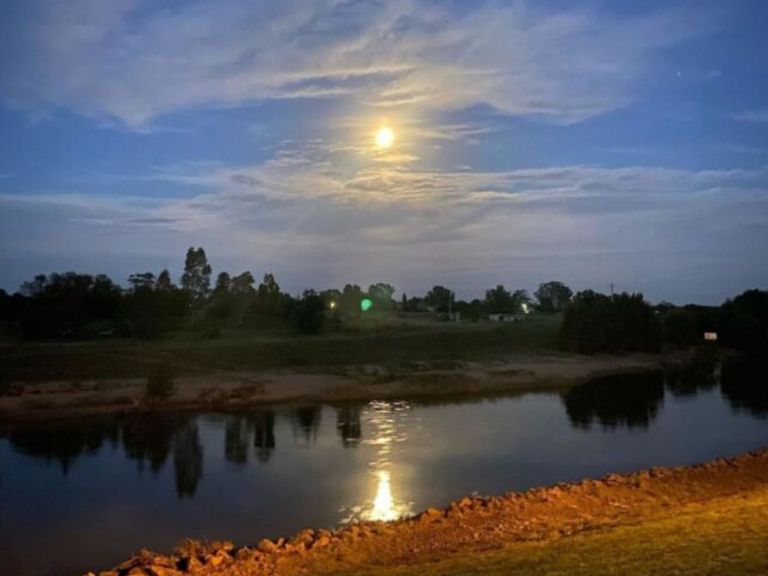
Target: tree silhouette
<point>438,298</point>
<point>499,301</point>
<point>187,459</point>
<point>197,274</point>
<point>553,296</point>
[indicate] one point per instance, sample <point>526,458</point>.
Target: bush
<point>160,384</point>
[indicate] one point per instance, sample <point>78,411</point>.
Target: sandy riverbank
<point>230,389</point>
<point>701,519</point>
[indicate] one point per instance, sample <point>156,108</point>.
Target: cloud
<point>132,62</point>
<point>759,115</point>
<point>317,214</point>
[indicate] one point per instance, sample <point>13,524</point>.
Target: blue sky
<point>593,142</point>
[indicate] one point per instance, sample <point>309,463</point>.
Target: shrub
<point>160,384</point>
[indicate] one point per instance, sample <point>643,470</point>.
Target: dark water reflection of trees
<point>152,440</point>
<point>745,386</point>
<point>630,400</point>
<point>634,400</point>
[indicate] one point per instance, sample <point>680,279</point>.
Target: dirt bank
<point>701,519</point>
<point>228,389</point>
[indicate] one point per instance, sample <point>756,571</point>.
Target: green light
<point>366,304</point>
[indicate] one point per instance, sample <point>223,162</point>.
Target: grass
<point>729,536</point>
<point>393,343</point>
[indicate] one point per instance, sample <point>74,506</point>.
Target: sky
<point>595,142</point>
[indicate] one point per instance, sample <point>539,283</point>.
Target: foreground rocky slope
<point>726,498</point>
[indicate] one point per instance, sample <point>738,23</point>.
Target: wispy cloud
<point>126,61</point>
<point>759,115</point>
<point>313,209</point>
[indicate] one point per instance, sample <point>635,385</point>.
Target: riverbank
<point>228,389</point>
<point>708,518</point>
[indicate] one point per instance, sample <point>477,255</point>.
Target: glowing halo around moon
<point>385,137</point>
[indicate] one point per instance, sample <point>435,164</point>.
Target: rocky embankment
<point>471,525</point>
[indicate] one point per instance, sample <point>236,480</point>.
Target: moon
<point>385,137</point>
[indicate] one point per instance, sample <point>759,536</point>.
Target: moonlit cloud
<point>126,61</point>
<point>299,211</point>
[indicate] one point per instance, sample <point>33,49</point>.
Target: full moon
<point>385,137</point>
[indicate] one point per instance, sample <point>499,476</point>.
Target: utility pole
<point>611,289</point>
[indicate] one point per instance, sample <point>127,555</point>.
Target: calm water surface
<point>86,494</point>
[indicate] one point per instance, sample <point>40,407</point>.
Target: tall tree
<point>223,285</point>
<point>164,282</point>
<point>553,296</point>
<point>350,300</point>
<point>197,274</point>
<point>438,298</point>
<point>381,294</point>
<point>242,284</point>
<point>499,301</point>
<point>269,297</point>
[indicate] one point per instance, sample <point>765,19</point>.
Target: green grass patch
<point>390,343</point>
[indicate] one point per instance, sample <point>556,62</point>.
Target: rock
<point>465,503</point>
<point>190,564</point>
<point>267,546</point>
<point>246,555</point>
<point>430,515</point>
<point>321,542</point>
<point>305,536</point>
<point>158,570</point>
<point>299,548</point>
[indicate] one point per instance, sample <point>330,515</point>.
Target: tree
<point>521,299</point>
<point>745,320</point>
<point>269,299</point>
<point>242,284</point>
<point>599,323</point>
<point>308,314</point>
<point>553,296</point>
<point>164,282</point>
<point>223,285</point>
<point>382,294</point>
<point>69,305</point>
<point>197,274</point>
<point>438,298</point>
<point>350,299</point>
<point>142,280</point>
<point>499,301</point>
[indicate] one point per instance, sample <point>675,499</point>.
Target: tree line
<point>624,322</point>
<point>75,306</point>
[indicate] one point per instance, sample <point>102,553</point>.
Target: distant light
<point>385,137</point>
<point>525,308</point>
<point>710,336</point>
<point>366,304</point>
<point>332,305</point>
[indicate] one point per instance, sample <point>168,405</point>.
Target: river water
<point>85,494</point>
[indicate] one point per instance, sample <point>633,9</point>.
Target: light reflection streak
<point>387,424</point>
